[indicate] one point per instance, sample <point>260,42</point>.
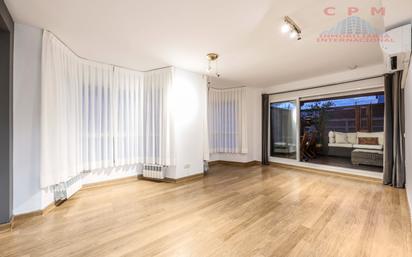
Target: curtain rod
<point>118,66</point>
<point>327,85</point>
<point>223,88</point>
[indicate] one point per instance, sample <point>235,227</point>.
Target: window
<point>283,129</point>
<point>227,120</point>
<point>332,130</point>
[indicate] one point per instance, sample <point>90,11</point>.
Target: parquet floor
<point>233,211</point>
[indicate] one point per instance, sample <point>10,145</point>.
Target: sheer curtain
<point>142,115</point>
<point>97,116</point>
<point>128,113</point>
<point>227,120</point>
<point>77,127</point>
<point>61,121</point>
<point>158,127</point>
<point>96,111</point>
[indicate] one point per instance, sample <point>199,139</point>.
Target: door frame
<point>297,162</point>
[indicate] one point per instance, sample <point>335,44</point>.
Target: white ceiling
<point>147,34</point>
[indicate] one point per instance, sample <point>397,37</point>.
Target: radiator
<point>154,171</point>
<point>65,190</point>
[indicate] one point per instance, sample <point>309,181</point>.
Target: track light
<point>292,28</point>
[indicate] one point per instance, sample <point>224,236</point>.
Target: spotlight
<point>285,28</point>
<point>290,26</point>
<point>293,34</point>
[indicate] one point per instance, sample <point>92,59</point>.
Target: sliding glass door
<point>283,125</point>
<point>344,131</point>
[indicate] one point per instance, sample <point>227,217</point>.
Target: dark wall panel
<point>6,114</point>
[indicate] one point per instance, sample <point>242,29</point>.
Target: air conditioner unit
<point>396,48</point>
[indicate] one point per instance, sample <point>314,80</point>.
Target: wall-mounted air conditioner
<point>396,48</point>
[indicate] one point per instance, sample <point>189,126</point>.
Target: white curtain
<point>227,117</point>
<point>158,127</point>
<point>96,111</point>
<point>61,157</point>
<point>143,117</point>
<point>128,116</point>
<point>97,116</point>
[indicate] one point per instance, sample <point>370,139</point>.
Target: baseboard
<point>24,216</point>
<point>111,182</point>
<point>173,180</point>
<point>43,212</point>
<point>325,172</point>
<point>189,178</point>
<point>7,227</point>
<point>241,164</point>
<point>140,177</point>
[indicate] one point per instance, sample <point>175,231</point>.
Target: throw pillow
<point>369,141</point>
<point>341,138</point>
<point>352,138</point>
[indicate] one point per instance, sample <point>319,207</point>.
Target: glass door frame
<point>277,98</point>
<point>296,100</point>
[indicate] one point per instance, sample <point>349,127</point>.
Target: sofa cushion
<point>368,141</point>
<point>368,151</point>
<point>340,145</point>
<point>379,135</point>
<point>331,134</point>
<point>341,138</point>
<point>371,147</point>
<point>352,138</point>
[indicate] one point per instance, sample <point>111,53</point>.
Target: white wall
<point>338,77</point>
<point>408,134</point>
<point>189,93</point>
<point>26,123</point>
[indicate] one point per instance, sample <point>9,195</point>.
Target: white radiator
<point>154,171</point>
<point>65,190</point>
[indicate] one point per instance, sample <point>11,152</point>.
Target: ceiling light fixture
<point>285,28</point>
<point>212,59</point>
<point>292,28</point>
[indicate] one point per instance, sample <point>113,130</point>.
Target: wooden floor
<point>233,211</point>
<point>344,163</point>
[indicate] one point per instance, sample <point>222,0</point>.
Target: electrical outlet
<point>187,166</point>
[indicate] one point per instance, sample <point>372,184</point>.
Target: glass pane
<point>364,118</point>
<point>377,117</point>
<point>337,119</point>
<point>331,128</point>
<point>283,129</point>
